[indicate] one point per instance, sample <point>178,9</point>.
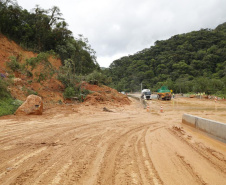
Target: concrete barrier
<point>189,120</point>
<point>212,127</point>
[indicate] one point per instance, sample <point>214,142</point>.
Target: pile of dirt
<point>104,95</point>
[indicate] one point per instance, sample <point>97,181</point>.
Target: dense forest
<point>191,62</point>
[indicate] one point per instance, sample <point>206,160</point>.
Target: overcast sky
<point>117,28</point>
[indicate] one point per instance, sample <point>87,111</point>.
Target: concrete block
<point>215,128</point>
<point>212,127</point>
<point>189,120</point>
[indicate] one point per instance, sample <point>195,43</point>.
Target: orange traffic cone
<point>161,109</point>
<point>148,108</point>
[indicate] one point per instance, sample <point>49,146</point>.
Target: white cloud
<point>105,61</point>
<point>116,27</point>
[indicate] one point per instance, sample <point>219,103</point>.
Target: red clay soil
<point>104,95</point>
<point>10,48</point>
<point>51,90</point>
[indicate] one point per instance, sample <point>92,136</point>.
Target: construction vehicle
<point>164,93</point>
<point>146,94</point>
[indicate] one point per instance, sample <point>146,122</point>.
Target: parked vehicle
<point>164,93</point>
<point>146,94</point>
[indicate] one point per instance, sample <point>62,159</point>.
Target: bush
<point>83,94</point>
<point>9,106</point>
<point>67,76</point>
<point>13,64</point>
<point>69,92</point>
<point>3,89</point>
<point>42,60</point>
<point>29,91</point>
<point>98,78</point>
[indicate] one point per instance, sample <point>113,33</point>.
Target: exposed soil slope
<point>10,48</point>
<point>50,89</point>
<point>104,95</point>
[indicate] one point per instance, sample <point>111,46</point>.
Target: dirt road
<point>85,145</point>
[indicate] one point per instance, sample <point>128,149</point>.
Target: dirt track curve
<point>85,145</point>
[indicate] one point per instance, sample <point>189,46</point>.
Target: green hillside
<point>191,62</point>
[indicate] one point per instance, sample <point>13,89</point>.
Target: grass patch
<point>9,106</point>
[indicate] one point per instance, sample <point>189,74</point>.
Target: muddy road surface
<point>85,145</point>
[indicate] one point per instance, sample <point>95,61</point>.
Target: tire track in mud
<point>87,165</point>
<point>22,135</point>
<point>53,164</point>
<point>48,159</point>
<point>25,146</point>
<point>96,151</point>
<point>12,135</point>
<point>47,131</point>
<point>213,157</point>
<point>84,160</point>
<point>191,170</point>
<point>125,164</point>
<point>113,166</point>
<point>61,136</point>
<point>177,163</point>
<point>151,174</point>
<point>107,167</point>
<point>27,163</point>
<point>15,163</point>
<point>74,140</point>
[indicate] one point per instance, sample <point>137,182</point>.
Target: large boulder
<point>32,106</point>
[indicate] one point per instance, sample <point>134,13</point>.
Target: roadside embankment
<point>212,127</point>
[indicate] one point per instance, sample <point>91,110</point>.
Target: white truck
<point>146,94</point>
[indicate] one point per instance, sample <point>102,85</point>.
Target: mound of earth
<point>104,95</point>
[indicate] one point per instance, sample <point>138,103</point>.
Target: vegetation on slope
<point>191,62</point>
<point>45,32</point>
<point>7,104</point>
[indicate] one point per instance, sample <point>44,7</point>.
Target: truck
<point>146,94</point>
<point>164,93</point>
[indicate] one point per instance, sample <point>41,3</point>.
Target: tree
<point>186,59</point>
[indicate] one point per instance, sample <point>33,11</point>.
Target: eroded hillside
<point>30,78</point>
<point>31,73</point>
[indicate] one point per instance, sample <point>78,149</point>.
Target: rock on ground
<point>32,106</point>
